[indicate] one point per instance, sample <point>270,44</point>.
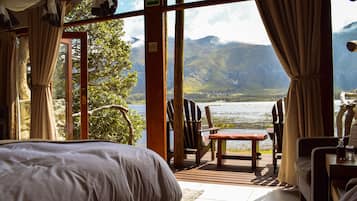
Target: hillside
<point>214,69</point>
<point>239,71</point>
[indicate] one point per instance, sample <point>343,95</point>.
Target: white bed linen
<point>350,195</point>
<point>90,171</point>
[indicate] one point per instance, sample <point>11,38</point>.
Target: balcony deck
<point>233,172</point>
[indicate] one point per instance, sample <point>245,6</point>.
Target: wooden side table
<point>221,145</point>
<point>339,172</point>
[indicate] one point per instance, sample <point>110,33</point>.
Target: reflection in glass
<point>59,92</point>
<point>344,28</point>
<point>24,91</point>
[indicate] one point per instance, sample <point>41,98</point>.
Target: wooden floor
<point>233,172</point>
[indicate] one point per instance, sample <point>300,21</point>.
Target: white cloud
<point>134,27</point>
<point>343,13</point>
<point>130,5</point>
<point>138,4</point>
<point>232,22</point>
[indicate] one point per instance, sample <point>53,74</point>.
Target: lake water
<point>243,113</point>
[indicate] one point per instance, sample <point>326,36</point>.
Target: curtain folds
<point>51,11</point>
<point>12,88</point>
<point>294,28</point>
<point>8,65</point>
<point>7,19</point>
<point>18,5</point>
<point>44,41</point>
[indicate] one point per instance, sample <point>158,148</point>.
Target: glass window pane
<point>84,8</point>
<point>135,37</point>
<point>229,64</point>
<point>112,79</point>
<point>344,28</point>
<point>24,93</point>
<point>173,2</point>
<point>59,92</point>
<point>130,5</point>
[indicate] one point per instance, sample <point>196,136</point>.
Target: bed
<point>86,170</point>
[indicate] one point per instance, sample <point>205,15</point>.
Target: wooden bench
<point>223,137</point>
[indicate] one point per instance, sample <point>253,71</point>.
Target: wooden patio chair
<point>193,139</point>
<point>278,131</point>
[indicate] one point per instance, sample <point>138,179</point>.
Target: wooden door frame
<point>153,20</point>
<point>83,37</point>
<point>68,88</point>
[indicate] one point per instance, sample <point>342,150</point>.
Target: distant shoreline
<point>228,99</point>
<point>200,99</point>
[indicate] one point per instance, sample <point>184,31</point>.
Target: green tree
<point>110,77</point>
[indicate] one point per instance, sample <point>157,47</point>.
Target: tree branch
<point>123,111</point>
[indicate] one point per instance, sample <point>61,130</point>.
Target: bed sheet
<point>90,171</point>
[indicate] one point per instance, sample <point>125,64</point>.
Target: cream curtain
<point>50,10</point>
<point>12,89</point>
<point>14,5</point>
<point>294,27</point>
<point>18,5</point>
<point>8,70</point>
<point>44,41</point>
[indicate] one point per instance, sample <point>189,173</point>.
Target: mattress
<point>90,171</point>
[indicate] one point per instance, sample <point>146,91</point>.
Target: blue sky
<point>130,5</point>
<point>230,22</point>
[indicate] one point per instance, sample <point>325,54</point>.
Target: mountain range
<point>240,71</point>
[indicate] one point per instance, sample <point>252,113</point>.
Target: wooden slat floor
<point>233,172</point>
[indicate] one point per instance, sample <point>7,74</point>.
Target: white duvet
<point>88,171</point>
